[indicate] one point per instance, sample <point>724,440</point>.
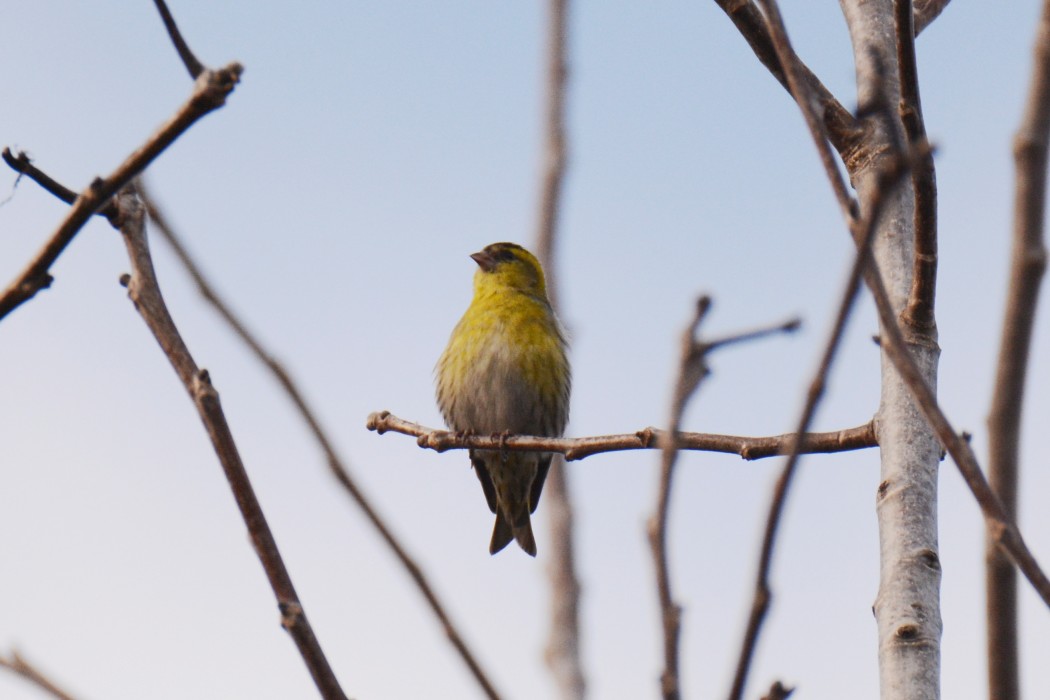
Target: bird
<point>504,372</point>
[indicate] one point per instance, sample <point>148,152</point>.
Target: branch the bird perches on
<point>749,448</point>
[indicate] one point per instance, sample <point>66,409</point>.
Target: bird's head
<point>503,266</point>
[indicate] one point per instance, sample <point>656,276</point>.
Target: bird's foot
<point>502,443</point>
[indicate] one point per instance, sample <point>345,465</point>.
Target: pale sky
<point>370,148</point>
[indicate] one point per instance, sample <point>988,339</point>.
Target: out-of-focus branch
<point>555,149</point>
<point>562,653</point>
<point>209,93</point>
<point>919,312</point>
<point>692,370</point>
<point>1027,267</point>
<point>144,292</point>
<point>842,128</point>
<point>778,692</point>
<point>336,464</point>
<point>17,664</point>
<point>194,66</point>
<point>749,448</point>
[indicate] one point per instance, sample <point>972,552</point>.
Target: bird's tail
<point>503,533</point>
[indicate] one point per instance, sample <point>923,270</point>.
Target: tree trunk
<point>907,607</point>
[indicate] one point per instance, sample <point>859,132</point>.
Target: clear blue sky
<point>370,148</point>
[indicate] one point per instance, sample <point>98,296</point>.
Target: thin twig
<point>194,66</point>
<point>23,165</point>
<point>691,372</point>
<point>336,464</point>
<point>209,93</point>
<point>919,312</point>
<point>1027,267</point>
<point>749,448</point>
<point>562,654</point>
<point>778,692</point>
<point>692,369</point>
<point>144,292</point>
<point>842,128</point>
<point>16,663</point>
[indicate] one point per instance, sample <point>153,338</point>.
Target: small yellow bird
<point>505,372</point>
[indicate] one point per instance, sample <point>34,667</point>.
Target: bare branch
<point>144,292</point>
<point>23,165</point>
<point>843,130</point>
<point>194,66</point>
<point>778,692</point>
<point>16,663</point>
<point>562,653</point>
<point>918,314</point>
<point>692,370</point>
<point>749,448</point>
<point>1027,267</point>
<point>209,93</point>
<point>335,463</point>
<point>555,152</point>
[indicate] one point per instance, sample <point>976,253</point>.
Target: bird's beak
<point>485,261</point>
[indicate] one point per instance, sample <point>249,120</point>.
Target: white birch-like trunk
<point>907,607</point>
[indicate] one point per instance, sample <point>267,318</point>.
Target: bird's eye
<point>504,254</point>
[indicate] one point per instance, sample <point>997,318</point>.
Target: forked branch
<point>209,93</point>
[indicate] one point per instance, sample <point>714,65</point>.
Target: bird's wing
<point>542,467</point>
<point>486,481</point>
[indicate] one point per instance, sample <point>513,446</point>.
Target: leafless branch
<point>692,370</point>
<point>17,664</point>
<point>842,128</point>
<point>749,448</point>
<point>555,153</point>
<point>336,464</point>
<point>1027,267</point>
<point>778,692</point>
<point>918,314</point>
<point>563,644</point>
<point>23,165</point>
<point>194,66</point>
<point>209,93</point>
<point>144,292</point>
